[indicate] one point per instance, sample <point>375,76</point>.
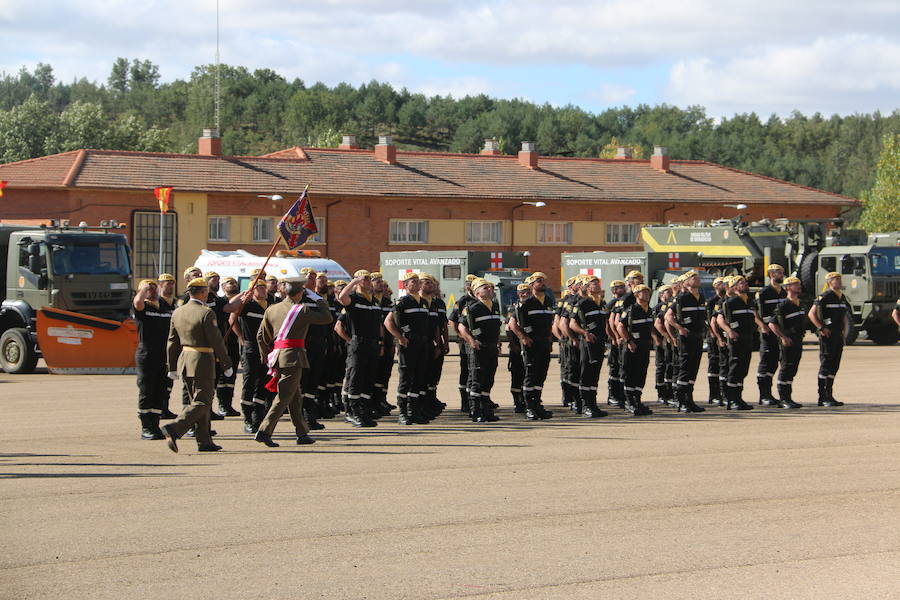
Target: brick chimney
<point>660,159</point>
<point>385,150</point>
<point>210,144</point>
<point>624,153</point>
<point>348,142</point>
<point>528,156</point>
<point>491,146</point>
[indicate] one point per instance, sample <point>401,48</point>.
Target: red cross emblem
<point>674,260</point>
<point>496,260</point>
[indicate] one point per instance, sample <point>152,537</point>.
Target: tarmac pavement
<point>767,503</point>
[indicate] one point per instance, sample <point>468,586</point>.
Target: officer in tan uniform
<point>195,344</point>
<point>291,358</point>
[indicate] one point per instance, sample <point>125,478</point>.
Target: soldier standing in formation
<point>453,319</point>
<point>789,324</point>
<point>830,314</point>
<point>567,346</point>
<point>687,315</point>
<point>714,354</point>
<point>479,325</point>
<point>364,318</point>
<point>153,318</point>
<point>437,312</point>
<point>766,301</point>
<point>281,339</point>
<point>616,395</point>
<point>662,346</point>
<point>409,323</point>
<point>515,364</point>
<point>533,324</point>
<point>739,322</point>
<point>194,346</point>
<point>589,317</point>
<point>169,302</point>
<point>386,359</point>
<point>635,324</point>
<point>249,310</point>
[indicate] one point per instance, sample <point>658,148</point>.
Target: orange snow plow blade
<point>74,343</point>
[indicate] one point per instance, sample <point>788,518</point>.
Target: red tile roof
<point>416,174</point>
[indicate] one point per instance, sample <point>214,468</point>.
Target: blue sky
<point>729,56</point>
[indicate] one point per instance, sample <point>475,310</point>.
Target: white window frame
<point>319,236</point>
<point>484,232</point>
<point>555,232</point>
<point>263,229</point>
<point>219,223</point>
<point>617,232</point>
<point>401,232</point>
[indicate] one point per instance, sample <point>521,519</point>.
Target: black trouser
<point>516,368</point>
<point>790,363</point>
<point>537,361</point>
<point>412,372</point>
<point>153,392</point>
<point>724,361</point>
<point>659,351</point>
<point>690,349</point>
<point>256,375</point>
<point>384,369</point>
<point>337,365</point>
<point>573,358</point>
<point>591,355</point>
<point>831,349</point>
<point>713,354</point>
<point>312,380</point>
<point>768,363</point>
<point>362,370</point>
<point>463,366</point>
<point>435,369</point>
<point>635,364</point>
<point>482,369</point>
<point>739,353</point>
<point>563,361</point>
<point>614,382</point>
<point>225,385</point>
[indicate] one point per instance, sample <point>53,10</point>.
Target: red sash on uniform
<point>290,343</point>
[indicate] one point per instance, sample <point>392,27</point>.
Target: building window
<point>219,229</point>
<point>262,229</point>
<point>319,237</point>
<point>555,233</point>
<point>409,232</point>
<point>483,232</point>
<point>145,228</point>
<point>621,233</point>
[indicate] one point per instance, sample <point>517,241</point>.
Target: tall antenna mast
<point>218,85</point>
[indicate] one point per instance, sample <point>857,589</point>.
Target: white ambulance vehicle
<point>285,264</point>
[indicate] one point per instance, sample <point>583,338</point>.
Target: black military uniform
<point>616,395</point>
<point>454,316</point>
<point>515,364</point>
<point>689,312</point>
<point>591,316</point>
<point>150,361</point>
<point>662,356</point>
<point>638,322</point>
<point>713,353</point>
<point>437,312</point>
<point>739,314</point>
<point>364,317</point>
<point>411,317</point>
<point>621,307</point>
<point>535,318</point>
<point>793,324</point>
<point>832,310</point>
<point>766,301</point>
<point>255,398</point>
<point>385,360</point>
<point>562,311</point>
<point>483,322</point>
<point>336,359</point>
<point>225,385</point>
<point>573,357</point>
<point>316,345</point>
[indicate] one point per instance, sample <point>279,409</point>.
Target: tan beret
<point>165,277</point>
<point>198,282</point>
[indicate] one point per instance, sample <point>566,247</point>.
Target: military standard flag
<point>164,195</point>
<point>299,223</point>
<point>3,185</point>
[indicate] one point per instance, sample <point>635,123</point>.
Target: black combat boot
<point>687,401</point>
<point>829,389</point>
<point>577,401</point>
<point>518,402</point>
<point>487,410</point>
<point>765,391</point>
<point>591,411</point>
<point>259,413</point>
<point>823,391</point>
<point>566,393</point>
<point>415,411</point>
<point>476,409</point>
<point>247,410</point>
<point>785,391</point>
<point>737,400</point>
<point>150,427</point>
<point>662,394</point>
<point>403,408</point>
<point>715,393</point>
<point>634,405</point>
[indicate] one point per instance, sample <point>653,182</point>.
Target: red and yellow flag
<point>164,195</point>
<point>3,185</point>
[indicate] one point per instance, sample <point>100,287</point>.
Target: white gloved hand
<point>173,375</point>
<point>228,372</point>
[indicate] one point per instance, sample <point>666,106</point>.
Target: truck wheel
<point>17,353</point>
<point>884,336</point>
<point>851,336</point>
<point>807,272</point>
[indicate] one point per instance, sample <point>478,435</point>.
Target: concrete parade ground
<point>768,503</point>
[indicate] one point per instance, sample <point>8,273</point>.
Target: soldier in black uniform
<point>687,316</point>
<point>789,324</point>
<point>515,364</point>
<point>560,331</point>
<point>589,317</point>
<point>316,352</point>
<point>830,315</point>
<point>364,316</point>
<point>712,345</point>
<point>479,325</point>
<point>616,393</point>
<point>722,339</point>
<point>386,360</point>
<point>249,308</point>
<point>224,385</point>
<point>740,323</point>
<point>632,280</point>
<point>766,301</point>
<point>635,325</point>
<point>167,301</point>
<point>453,319</point>
<point>662,340</point>
<point>410,324</point>
<point>533,324</point>
<point>437,312</point>
<point>337,355</point>
<point>153,319</point>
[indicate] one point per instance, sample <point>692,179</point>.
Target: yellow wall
<point>193,228</point>
<point>588,233</point>
<point>444,232</point>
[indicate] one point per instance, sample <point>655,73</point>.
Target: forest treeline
<point>261,111</point>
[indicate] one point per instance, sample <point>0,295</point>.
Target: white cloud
<point>457,87</point>
<point>614,94</point>
<point>851,73</point>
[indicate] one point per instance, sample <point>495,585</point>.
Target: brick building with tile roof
<point>369,201</point>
